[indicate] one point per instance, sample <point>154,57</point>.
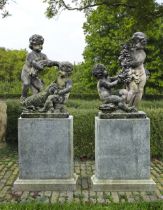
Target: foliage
<point>107,30</point>
<point>73,206</point>
<point>4,12</point>
<point>84,112</point>
<point>145,10</point>
<point>11,62</point>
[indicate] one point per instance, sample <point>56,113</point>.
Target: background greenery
<point>108,26</point>
<point>106,29</point>
<point>84,112</point>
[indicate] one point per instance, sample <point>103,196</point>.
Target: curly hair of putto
<point>3,121</point>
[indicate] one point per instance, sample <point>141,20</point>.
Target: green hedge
<point>84,112</point>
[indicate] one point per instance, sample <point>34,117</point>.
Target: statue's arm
<point>53,63</point>
<point>67,89</point>
<point>113,78</point>
<point>107,84</point>
<point>49,63</point>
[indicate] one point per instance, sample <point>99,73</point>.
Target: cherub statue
<point>133,74</point>
<point>52,99</point>
<point>35,62</point>
<point>104,86</point>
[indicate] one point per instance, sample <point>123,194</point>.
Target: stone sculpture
<point>133,77</point>
<point>52,99</point>
<point>133,74</point>
<point>36,61</point>
<point>104,85</point>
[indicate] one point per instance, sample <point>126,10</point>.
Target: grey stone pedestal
<point>45,154</point>
<point>122,155</point>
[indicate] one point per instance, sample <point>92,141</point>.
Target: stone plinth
<point>45,154</point>
<point>122,155</point>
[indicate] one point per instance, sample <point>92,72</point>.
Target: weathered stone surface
<point>122,185</point>
<point>122,115</point>
<point>46,184</point>
<point>122,148</point>
<point>45,148</point>
<point>122,155</point>
<point>44,115</point>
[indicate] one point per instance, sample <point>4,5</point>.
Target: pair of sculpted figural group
<point>52,98</point>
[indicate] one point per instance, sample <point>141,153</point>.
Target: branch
<point>107,3</point>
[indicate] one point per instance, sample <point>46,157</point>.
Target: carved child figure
<point>61,90</point>
<point>55,95</point>
<point>104,86</point>
<point>132,61</point>
<point>35,62</point>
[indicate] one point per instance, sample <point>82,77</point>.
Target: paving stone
<point>8,197</point>
<point>4,191</point>
<point>160,187</point>
<point>54,197</point>
<point>77,170</point>
<point>25,195</point>
<point>93,197</point>
<point>130,197</point>
<point>85,196</point>
<point>1,167</point>
<point>108,197</point>
<point>158,193</point>
<point>137,196</point>
<point>85,184</point>
<point>47,193</point>
<point>115,197</point>
<point>77,200</point>
<point>145,196</point>
<point>153,197</point>
<point>62,197</point>
<point>100,197</point>
<point>69,196</point>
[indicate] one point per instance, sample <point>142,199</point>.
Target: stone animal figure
<point>133,73</point>
<point>54,96</point>
<point>3,121</point>
<point>104,86</point>
<point>35,61</point>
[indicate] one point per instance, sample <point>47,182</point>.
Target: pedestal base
<point>122,185</point>
<point>46,184</point>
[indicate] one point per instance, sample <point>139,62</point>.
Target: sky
<point>64,37</point>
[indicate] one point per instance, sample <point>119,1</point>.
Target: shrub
<point>84,112</point>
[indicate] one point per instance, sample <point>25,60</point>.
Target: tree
<point>4,12</point>
<point>107,30</point>
<point>147,9</point>
<point>144,9</point>
<point>11,63</point>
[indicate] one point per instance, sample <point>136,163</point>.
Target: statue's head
<point>36,42</point>
<point>66,68</point>
<point>99,71</point>
<point>139,40</point>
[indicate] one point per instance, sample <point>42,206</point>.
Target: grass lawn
<point>126,206</point>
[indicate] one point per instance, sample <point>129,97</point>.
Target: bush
<point>84,112</point>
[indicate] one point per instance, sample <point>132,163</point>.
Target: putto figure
<point>133,74</point>
<point>35,61</point>
<point>104,86</point>
<point>52,99</point>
